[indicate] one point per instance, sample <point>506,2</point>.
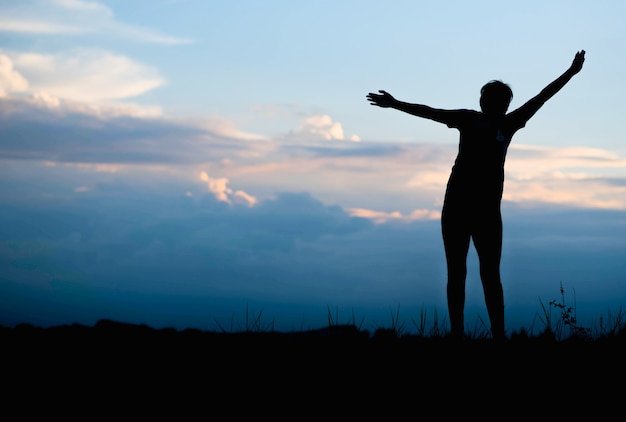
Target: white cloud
<point>85,6</point>
<point>76,17</point>
<point>10,79</point>
<point>147,35</point>
<point>219,188</point>
<point>86,75</point>
<point>227,129</point>
<point>37,27</point>
<point>322,126</point>
<point>45,100</point>
<point>102,110</point>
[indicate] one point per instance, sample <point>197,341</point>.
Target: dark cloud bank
<point>195,262</point>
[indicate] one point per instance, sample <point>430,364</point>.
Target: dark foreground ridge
<point>113,338</point>
<point>115,364</point>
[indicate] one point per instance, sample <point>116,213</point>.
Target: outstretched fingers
<point>381,100</point>
<point>374,98</point>
<point>579,59</point>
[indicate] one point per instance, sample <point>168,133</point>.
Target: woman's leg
<point>488,243</point>
<point>456,239</point>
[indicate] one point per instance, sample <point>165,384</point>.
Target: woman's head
<point>495,97</point>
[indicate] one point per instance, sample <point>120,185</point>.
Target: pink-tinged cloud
<point>10,79</point>
<point>380,217</point>
<point>577,191</point>
<point>242,197</point>
<point>573,176</point>
<point>219,188</point>
<point>525,161</point>
<point>90,167</point>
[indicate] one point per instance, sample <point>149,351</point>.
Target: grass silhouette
<point>556,322</point>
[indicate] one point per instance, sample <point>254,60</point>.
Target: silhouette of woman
<point>471,209</point>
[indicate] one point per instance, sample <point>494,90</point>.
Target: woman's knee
<point>490,276</point>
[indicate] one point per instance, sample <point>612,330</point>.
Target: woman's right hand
<point>384,99</point>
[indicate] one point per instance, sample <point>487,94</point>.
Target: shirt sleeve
<point>518,118</point>
<point>457,119</point>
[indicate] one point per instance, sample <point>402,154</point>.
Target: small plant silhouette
<point>567,320</point>
<point>438,329</point>
<point>334,321</point>
<point>614,324</point>
<point>253,324</point>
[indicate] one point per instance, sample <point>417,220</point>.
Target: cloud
<point>227,129</point>
<point>245,198</point>
<point>321,126</point>
<point>85,75</point>
<point>76,17</point>
<point>35,27</point>
<point>377,178</point>
<point>524,161</point>
<point>380,217</point>
<point>177,260</point>
<point>432,177</point>
<point>567,189</point>
<point>219,188</point>
<point>84,6</point>
<point>10,79</point>
<point>45,128</point>
<point>570,176</point>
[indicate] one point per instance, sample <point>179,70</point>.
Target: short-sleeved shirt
<point>478,171</point>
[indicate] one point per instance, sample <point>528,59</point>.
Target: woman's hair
<point>495,97</point>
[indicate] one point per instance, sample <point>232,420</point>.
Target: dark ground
<point>337,367</point>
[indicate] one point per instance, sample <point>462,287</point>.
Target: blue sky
<point>174,162</point>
